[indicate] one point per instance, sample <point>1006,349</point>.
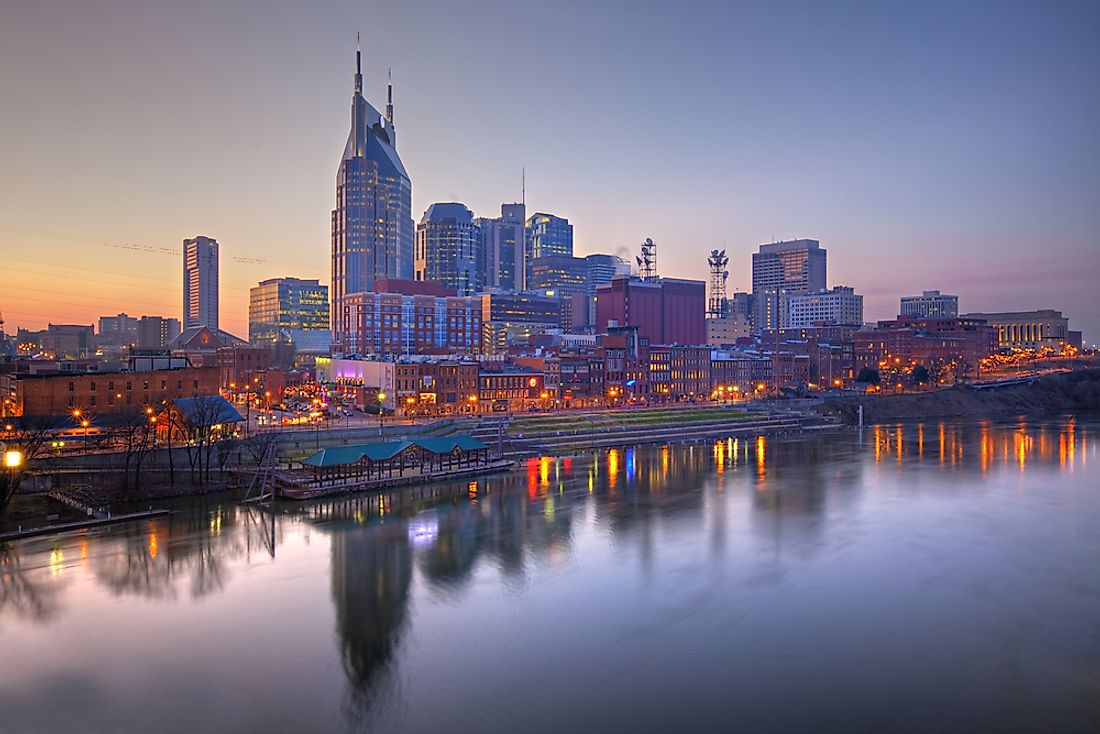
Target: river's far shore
<point>1069,392</point>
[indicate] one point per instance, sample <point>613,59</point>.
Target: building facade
<point>200,282</point>
<point>930,305</point>
<point>396,324</point>
<point>664,310</point>
<point>841,305</point>
<point>503,248</point>
<point>448,248</point>
<point>286,304</point>
<point>1045,328</point>
<point>372,226</point>
<point>102,392</point>
<point>157,332</point>
<point>548,234</point>
<point>781,270</point>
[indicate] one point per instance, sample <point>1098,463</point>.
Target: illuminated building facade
<point>781,270</point>
<point>395,324</point>
<point>200,282</point>
<point>1030,329</point>
<point>286,304</point>
<point>448,248</point>
<point>503,248</point>
<point>841,305</point>
<point>930,304</point>
<point>372,226</point>
<point>547,234</point>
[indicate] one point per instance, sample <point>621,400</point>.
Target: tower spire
<point>358,65</point>
<point>389,96</point>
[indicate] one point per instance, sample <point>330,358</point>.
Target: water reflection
<point>789,497</point>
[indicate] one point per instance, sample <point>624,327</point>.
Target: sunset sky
<point>926,145</point>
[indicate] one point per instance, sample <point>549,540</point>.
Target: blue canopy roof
<point>383,450</point>
<point>208,409</point>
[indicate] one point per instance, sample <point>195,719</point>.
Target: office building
<point>910,340</point>
<point>372,226</point>
<point>1030,329</point>
<point>548,234</point>
<point>601,270</point>
<point>930,305</point>
<point>286,305</point>
<point>781,270</point>
<point>448,248</point>
<point>403,322</point>
<point>503,248</point>
<point>567,279</point>
<point>157,332</point>
<point>117,330</point>
<point>200,282</point>
<point>663,310</point>
<point>841,305</point>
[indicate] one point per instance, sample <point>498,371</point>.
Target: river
<point>936,577</point>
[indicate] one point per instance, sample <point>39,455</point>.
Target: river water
<point>912,578</point>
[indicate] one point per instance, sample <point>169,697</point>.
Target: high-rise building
<point>157,332</point>
<point>602,269</point>
<point>372,226</point>
<point>200,282</point>
<point>116,330</point>
<point>548,235</point>
<point>839,306</point>
<point>930,305</point>
<point>448,248</point>
<point>503,241</point>
<point>781,270</point>
<point>286,304</point>
<point>663,310</point>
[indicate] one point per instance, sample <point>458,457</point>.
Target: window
<point>93,386</point>
<point>72,386</point>
<point>93,401</point>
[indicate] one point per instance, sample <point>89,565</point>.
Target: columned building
<point>781,270</point>
<point>448,248</point>
<point>372,226</point>
<point>1030,329</point>
<point>200,282</point>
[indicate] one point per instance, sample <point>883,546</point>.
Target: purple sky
<point>927,145</point>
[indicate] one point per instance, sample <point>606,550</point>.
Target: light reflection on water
<point>864,574</point>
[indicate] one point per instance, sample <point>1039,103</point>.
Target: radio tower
<point>716,306</point>
<point>647,261</point>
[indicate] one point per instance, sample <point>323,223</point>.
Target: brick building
<point>101,392</point>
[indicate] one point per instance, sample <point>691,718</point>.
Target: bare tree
<point>137,437</point>
<point>30,436</point>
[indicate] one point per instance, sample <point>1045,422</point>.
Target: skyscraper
<point>448,248</point>
<point>548,235</point>
<point>503,243</point>
<point>200,282</point>
<point>286,304</point>
<point>779,271</point>
<point>372,227</point>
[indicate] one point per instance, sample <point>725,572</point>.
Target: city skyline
<point>965,166</point>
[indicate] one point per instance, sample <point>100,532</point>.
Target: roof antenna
<point>389,97</point>
<point>523,187</point>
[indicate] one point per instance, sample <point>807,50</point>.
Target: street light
<point>381,410</point>
<point>85,423</point>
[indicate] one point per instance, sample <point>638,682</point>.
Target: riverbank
<point>1069,392</point>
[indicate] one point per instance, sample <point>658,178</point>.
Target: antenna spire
<point>358,65</point>
<point>523,187</point>
<point>389,96</point>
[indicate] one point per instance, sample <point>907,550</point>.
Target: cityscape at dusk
<point>499,367</point>
<point>927,147</point>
